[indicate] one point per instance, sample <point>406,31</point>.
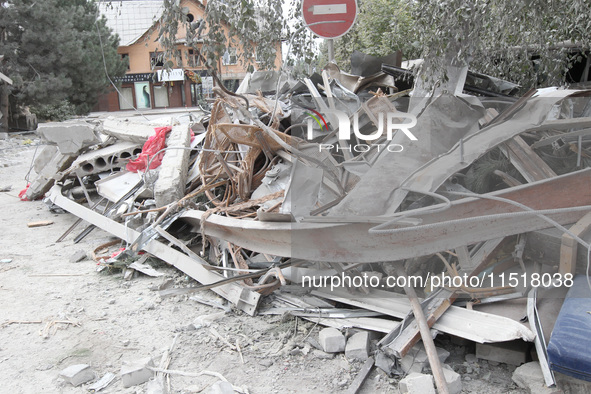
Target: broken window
<point>125,58</point>
<point>194,60</point>
<point>156,59</point>
<point>230,57</point>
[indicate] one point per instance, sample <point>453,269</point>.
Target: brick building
<point>146,84</point>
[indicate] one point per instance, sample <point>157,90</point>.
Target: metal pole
<point>330,43</point>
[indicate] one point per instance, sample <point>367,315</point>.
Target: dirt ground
<point>55,313</point>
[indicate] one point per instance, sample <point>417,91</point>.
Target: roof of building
<point>131,19</point>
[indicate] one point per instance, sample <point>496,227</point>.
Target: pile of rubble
<point>434,214</point>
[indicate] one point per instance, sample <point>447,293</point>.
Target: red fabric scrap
<point>22,194</point>
<point>117,252</point>
<point>151,147</point>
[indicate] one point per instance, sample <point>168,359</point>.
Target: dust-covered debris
<point>344,187</point>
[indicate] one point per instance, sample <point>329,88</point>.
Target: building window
<point>190,17</point>
<point>125,98</point>
<point>194,60</point>
<point>156,59</point>
<point>142,95</point>
<point>125,58</point>
<point>229,57</point>
<point>160,96</point>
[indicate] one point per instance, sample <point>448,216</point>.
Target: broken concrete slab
<point>127,131</point>
<point>331,340</point>
<point>453,379</point>
<point>512,353</point>
<point>417,383</point>
<point>112,157</point>
<point>358,346</point>
<point>416,359</point>
<point>137,372</point>
<point>45,178</point>
<point>70,138</point>
<point>44,157</point>
<point>172,176</point>
<point>77,374</point>
<point>529,376</point>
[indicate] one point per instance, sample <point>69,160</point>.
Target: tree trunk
<point>3,107</point>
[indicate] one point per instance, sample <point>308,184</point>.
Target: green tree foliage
<point>382,27</point>
<point>254,25</point>
<point>501,37</point>
<point>53,52</point>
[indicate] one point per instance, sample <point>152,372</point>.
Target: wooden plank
<point>361,376</point>
<point>40,223</point>
<point>508,179</point>
<point>526,161</point>
<point>568,247</point>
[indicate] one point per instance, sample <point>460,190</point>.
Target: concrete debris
<point>77,374</point>
<point>513,353</point>
<point>334,183</point>
<point>46,176</point>
<point>170,186</point>
<point>453,379</point>
<point>358,346</point>
<point>332,340</point>
<point>529,377</point>
<point>416,359</point>
<point>417,383</point>
<point>385,363</point>
<point>70,138</point>
<point>127,131</point>
<point>136,372</point>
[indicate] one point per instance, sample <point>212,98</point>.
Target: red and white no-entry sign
<point>340,15</point>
